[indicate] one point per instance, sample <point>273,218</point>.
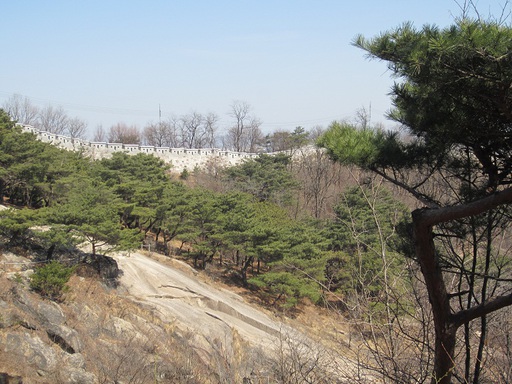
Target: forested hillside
<point>293,231</point>
<point>403,235</point>
<point>255,221</point>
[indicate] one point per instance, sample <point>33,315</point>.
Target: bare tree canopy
<point>125,134</point>
<point>245,134</point>
<point>161,134</point>
<point>50,118</point>
<point>53,119</point>
<point>100,135</point>
<point>21,110</point>
<point>76,128</point>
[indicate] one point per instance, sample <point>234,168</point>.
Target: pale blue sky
<point>109,61</point>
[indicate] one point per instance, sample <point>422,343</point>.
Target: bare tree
<point>316,132</point>
<point>21,110</point>
<point>320,180</point>
<point>191,132</point>
<point>100,135</point>
<point>386,300</point>
<point>245,134</point>
<point>240,113</point>
<point>210,128</point>
<point>161,134</point>
<point>174,138</point>
<point>298,359</point>
<point>53,119</point>
<point>364,117</point>
<point>254,138</point>
<point>122,133</point>
<point>76,128</point>
<point>197,130</point>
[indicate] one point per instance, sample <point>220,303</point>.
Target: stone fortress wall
<point>179,158</point>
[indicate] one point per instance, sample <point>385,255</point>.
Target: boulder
<point>75,361</point>
<point>8,316</point>
<point>64,337</point>
<point>74,370</point>
<point>51,318</point>
<point>47,312</point>
<point>118,328</point>
<point>106,266</point>
<point>31,350</point>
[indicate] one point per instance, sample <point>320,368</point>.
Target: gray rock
<point>118,328</point>
<point>78,376</point>
<point>44,311</point>
<point>65,337</point>
<point>74,371</point>
<point>106,266</point>
<point>52,319</point>
<point>30,350</point>
<point>8,318</point>
<point>75,361</point>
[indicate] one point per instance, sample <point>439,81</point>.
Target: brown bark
<point>245,267</point>
<point>446,323</point>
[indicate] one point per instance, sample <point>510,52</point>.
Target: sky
<point>292,61</point>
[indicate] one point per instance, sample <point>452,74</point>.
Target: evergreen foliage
<point>50,279</point>
<point>15,224</point>
<point>113,203</point>
<point>453,99</point>
<point>367,242</point>
<point>265,177</point>
<point>92,211</point>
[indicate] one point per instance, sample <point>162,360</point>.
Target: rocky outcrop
<point>30,349</point>
<point>34,331</point>
<point>106,267</point>
<point>160,324</point>
<point>93,335</point>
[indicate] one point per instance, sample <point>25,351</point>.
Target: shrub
<point>50,280</point>
<point>184,174</point>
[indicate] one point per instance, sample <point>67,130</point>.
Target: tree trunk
<point>49,253</point>
<point>446,323</point>
<point>438,297</point>
<point>247,264</point>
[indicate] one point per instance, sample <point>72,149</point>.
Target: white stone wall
<point>179,158</point>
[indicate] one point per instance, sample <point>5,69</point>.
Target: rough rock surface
<point>160,324</point>
<point>100,334</point>
<point>195,306</point>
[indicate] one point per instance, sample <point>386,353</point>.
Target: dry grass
<point>125,341</point>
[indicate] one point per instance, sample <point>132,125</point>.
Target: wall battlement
<point>179,158</point>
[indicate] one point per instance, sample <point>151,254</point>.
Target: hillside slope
<point>161,324</point>
<point>208,312</point>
